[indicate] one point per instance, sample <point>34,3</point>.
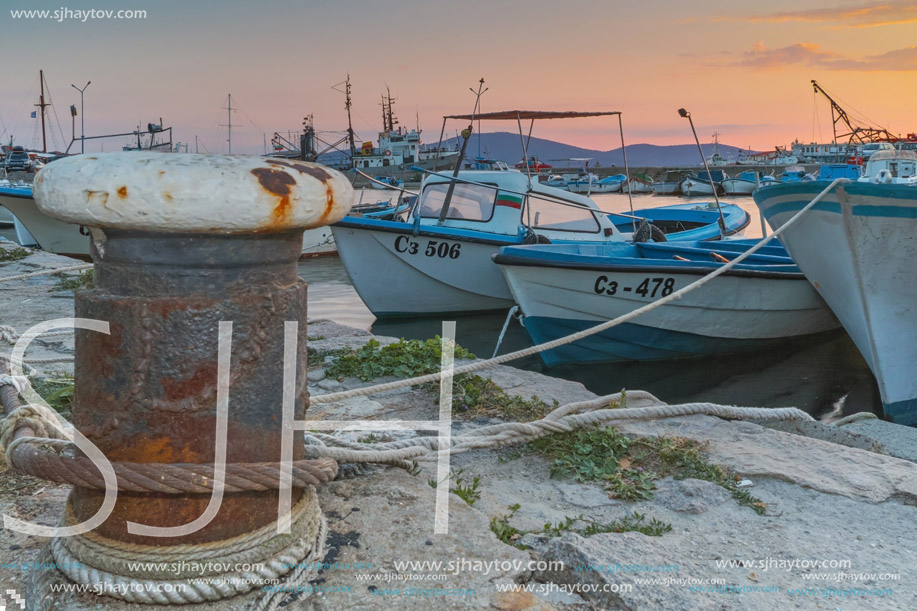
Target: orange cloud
<point>875,14</point>
<point>808,54</point>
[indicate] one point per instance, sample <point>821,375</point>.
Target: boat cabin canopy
<point>899,164</point>
<point>504,202</point>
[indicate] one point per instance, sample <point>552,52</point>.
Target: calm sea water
<point>825,376</point>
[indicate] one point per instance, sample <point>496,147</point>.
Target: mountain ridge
<point>506,146</point>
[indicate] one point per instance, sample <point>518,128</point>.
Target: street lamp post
<point>687,115</point>
<point>82,116</point>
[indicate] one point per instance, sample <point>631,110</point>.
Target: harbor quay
<point>786,528</point>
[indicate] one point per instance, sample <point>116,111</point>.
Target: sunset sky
<point>741,68</point>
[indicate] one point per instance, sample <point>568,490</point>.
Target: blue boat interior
<point>699,255</point>
<point>687,217</point>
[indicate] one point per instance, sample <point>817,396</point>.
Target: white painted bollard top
<point>190,193</point>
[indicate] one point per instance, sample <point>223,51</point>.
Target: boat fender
<point>883,177</point>
<point>647,231</point>
<point>535,238</point>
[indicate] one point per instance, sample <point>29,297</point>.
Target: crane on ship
<point>857,134</point>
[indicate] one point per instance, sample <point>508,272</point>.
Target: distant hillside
<point>506,146</point>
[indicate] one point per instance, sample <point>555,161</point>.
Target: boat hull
<point>6,217</point>
<point>857,246</point>
<point>398,273</point>
<point>732,313</point>
<point>691,187</point>
<point>738,186</point>
<point>666,188</point>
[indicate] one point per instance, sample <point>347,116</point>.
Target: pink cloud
<point>869,15</point>
<point>808,54</point>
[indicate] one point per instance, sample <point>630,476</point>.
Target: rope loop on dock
<point>173,575</point>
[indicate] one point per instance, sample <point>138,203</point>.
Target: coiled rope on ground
<point>124,570</point>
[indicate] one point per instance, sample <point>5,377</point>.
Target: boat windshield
<point>468,203</point>
<point>549,215</point>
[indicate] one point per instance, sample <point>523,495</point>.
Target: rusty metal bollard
<point>179,243</point>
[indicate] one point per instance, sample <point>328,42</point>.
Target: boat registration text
<point>649,287</point>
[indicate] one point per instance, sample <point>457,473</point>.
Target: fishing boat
<point>856,246</point>
<point>638,183</point>
<point>670,183</point>
<point>399,148</point>
<point>682,222</point>
<point>6,217</point>
<point>439,260</point>
<point>830,171</point>
<point>746,182</point>
<point>565,288</point>
<point>891,168</point>
<point>386,182</point>
<point>795,173</point>
<point>703,183</point>
<point>613,183</point>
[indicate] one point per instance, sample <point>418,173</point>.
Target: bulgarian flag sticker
<point>510,201</point>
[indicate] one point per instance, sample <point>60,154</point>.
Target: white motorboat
<point>566,288</point>
<point>891,168</point>
<point>746,183</point>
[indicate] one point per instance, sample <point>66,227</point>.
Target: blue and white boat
<point>703,183</point>
<point>565,288</point>
<point>795,173</point>
<point>613,183</point>
<point>857,247</point>
<point>746,183</point>
<point>439,261</point>
<point>830,171</point>
<point>386,182</point>
<point>685,222</point>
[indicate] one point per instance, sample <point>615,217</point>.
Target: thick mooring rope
<point>112,565</point>
<point>47,272</point>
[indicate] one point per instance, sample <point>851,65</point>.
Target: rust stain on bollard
<point>169,267</point>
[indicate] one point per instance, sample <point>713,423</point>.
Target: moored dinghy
<point>566,288</point>
<point>857,247</point>
<point>746,183</point>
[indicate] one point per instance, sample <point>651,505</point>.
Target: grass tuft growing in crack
<point>635,522</point>
<point>629,467</point>
<point>403,359</point>
<point>465,490</point>
<point>84,279</point>
<point>13,254</point>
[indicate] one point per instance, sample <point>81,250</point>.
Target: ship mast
<point>41,104</point>
<point>347,105</point>
<point>228,125</point>
<point>388,116</point>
